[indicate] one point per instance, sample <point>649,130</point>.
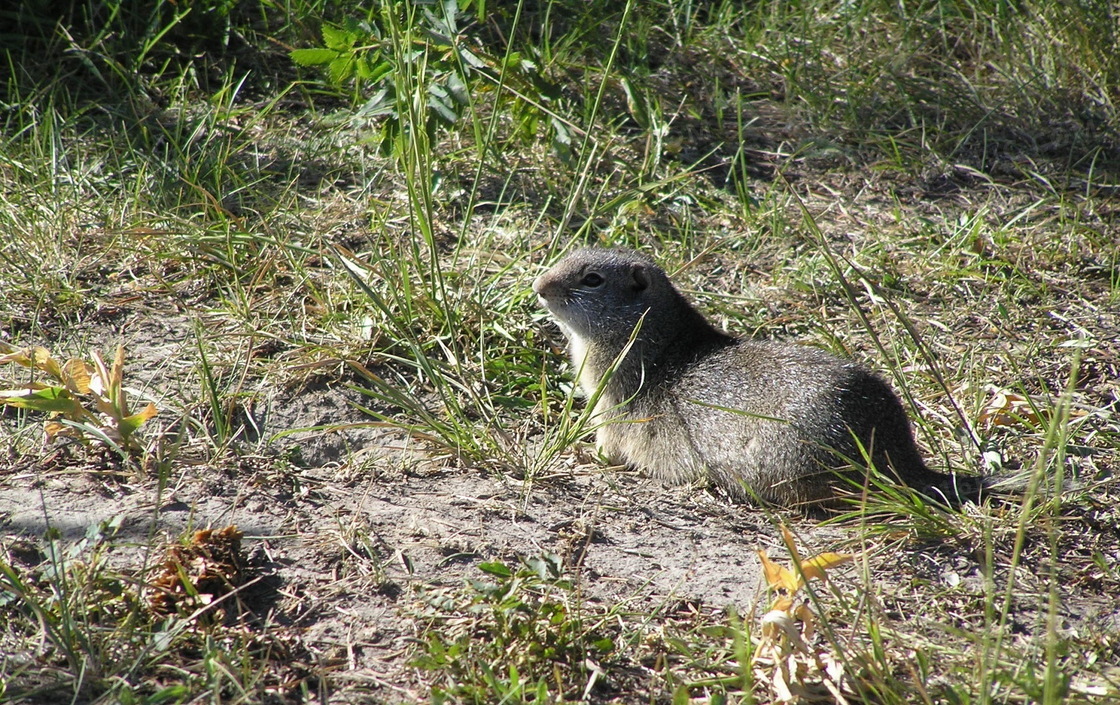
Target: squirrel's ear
<point>640,277</point>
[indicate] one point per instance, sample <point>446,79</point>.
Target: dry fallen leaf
<point>784,580</point>
<point>785,657</point>
<point>1008,408</point>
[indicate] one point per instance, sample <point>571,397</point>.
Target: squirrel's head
<point>598,294</point>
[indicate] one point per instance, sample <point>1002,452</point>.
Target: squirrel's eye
<point>592,280</point>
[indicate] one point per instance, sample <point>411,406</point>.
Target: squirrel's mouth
<point>551,304</point>
<point>558,309</point>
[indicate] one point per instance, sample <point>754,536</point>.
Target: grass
<point>927,186</point>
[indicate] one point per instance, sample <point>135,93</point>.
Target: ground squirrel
<point>687,401</point>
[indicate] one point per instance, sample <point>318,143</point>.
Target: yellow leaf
<point>787,536</point>
<point>118,367</point>
<point>1007,408</point>
<point>816,566</point>
<point>47,363</point>
<point>23,391</point>
<point>56,428</point>
<point>129,424</point>
<point>805,615</point>
<point>37,357</point>
<point>778,577</point>
<point>76,376</point>
<point>782,604</point>
<point>53,428</point>
<point>148,412</point>
<point>106,407</point>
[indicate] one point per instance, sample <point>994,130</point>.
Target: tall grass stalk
<point>1048,468</point>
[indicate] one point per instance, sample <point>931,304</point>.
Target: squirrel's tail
<point>954,489</point>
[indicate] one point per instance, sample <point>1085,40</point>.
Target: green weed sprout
<point>86,402</point>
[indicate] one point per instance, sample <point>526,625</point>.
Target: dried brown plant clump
<point>196,575</point>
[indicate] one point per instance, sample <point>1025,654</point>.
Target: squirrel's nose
<point>539,285</point>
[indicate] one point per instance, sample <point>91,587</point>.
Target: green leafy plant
<point>83,401</point>
<point>384,56</point>
<point>67,595</point>
<point>518,632</point>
